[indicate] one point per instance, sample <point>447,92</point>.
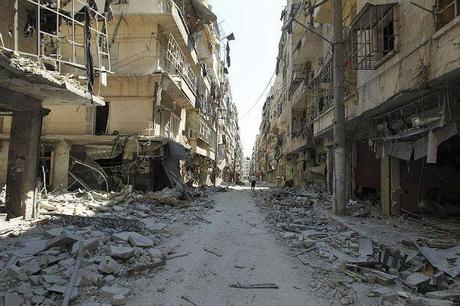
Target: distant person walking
<point>253,180</point>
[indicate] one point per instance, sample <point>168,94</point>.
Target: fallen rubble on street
<point>86,247</point>
<point>345,254</point>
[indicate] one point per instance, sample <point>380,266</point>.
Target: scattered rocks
<point>108,265</point>
<point>121,252</point>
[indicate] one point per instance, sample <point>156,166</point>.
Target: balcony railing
<point>207,134</point>
<point>57,33</point>
<point>174,62</point>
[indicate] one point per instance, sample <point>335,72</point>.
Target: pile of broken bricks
<point>42,270</point>
<point>89,257</point>
<point>420,275</point>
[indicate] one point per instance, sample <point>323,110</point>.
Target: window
<point>374,34</point>
<point>102,118</point>
<point>447,10</point>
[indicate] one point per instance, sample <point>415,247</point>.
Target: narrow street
<point>250,253</point>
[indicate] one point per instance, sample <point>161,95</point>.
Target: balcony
<point>201,136</point>
<point>180,81</point>
<point>167,14</point>
<point>46,36</point>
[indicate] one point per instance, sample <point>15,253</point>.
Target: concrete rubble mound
<point>406,273</point>
<point>87,246</point>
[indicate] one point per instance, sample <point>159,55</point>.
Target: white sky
<point>257,28</point>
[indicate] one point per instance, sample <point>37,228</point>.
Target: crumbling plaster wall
<point>65,120</point>
<point>131,101</point>
<point>418,44</point>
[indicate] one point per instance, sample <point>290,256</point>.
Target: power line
<point>260,97</point>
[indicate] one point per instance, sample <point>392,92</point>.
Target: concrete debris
<point>135,239</point>
<point>121,252</point>
<point>12,299</point>
<point>352,253</point>
<point>114,233</point>
<point>108,265</point>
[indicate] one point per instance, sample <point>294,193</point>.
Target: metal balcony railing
<point>61,31</point>
<point>175,62</point>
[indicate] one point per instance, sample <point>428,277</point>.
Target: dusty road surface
<point>246,252</point>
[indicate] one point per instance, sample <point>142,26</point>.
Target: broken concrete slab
<point>37,299</point>
<point>17,272</point>
<point>155,253</point>
<point>63,239</point>
<point>111,291</point>
<point>417,279</point>
<point>313,234</point>
<point>55,232</point>
<point>339,254</point>
<point>88,277</point>
<point>12,299</point>
<point>54,279</point>
<point>61,290</point>
<point>32,266</point>
<point>24,288</point>
<point>155,227</point>
<point>134,238</point>
<point>32,247</point>
<point>289,235</point>
<point>88,244</point>
<point>109,266</point>
<point>442,259</point>
<point>121,252</point>
<point>444,294</point>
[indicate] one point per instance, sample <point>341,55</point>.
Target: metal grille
<point>323,94</point>
<point>447,10</point>
<point>177,63</point>
<point>59,33</point>
<point>374,35</point>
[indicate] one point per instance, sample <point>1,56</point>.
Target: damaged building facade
<point>401,93</point>
<point>33,37</point>
<point>161,67</point>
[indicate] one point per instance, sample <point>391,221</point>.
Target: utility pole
<point>339,113</point>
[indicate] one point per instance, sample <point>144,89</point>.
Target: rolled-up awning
<point>203,12</point>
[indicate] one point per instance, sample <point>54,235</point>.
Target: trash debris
<point>212,252</point>
<point>254,286</point>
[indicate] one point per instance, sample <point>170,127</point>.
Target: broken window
<point>447,10</point>
<point>374,35</point>
<point>102,118</point>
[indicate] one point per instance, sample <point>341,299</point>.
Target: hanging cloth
<point>89,55</point>
<point>228,54</point>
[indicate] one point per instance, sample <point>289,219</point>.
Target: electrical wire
<point>259,98</point>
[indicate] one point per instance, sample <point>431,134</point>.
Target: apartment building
<point>33,36</point>
<point>161,69</point>
<point>164,99</point>
<point>401,93</point>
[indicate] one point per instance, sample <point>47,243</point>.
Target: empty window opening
<point>102,118</point>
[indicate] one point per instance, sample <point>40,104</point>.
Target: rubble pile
<point>88,246</point>
<point>415,274</point>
